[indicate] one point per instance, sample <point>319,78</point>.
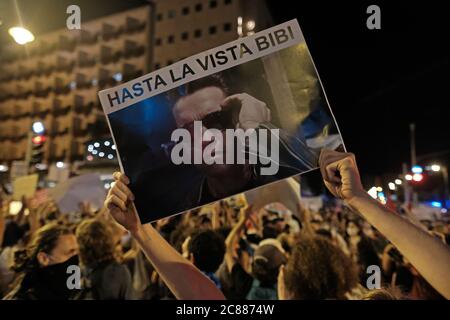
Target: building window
<point>212,30</point>
<point>213,4</point>
<point>158,41</point>
<point>184,36</point>
<point>171,14</point>
<point>159,16</point>
<point>227,27</point>
<point>169,62</point>
<point>227,2</point>
<point>198,33</point>
<point>185,11</point>
<point>171,39</point>
<point>198,7</point>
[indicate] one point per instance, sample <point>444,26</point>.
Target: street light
<point>417,169</point>
<point>398,182</point>
<point>21,35</point>
<point>435,167</point>
<point>417,177</point>
<point>408,177</point>
<point>38,127</point>
<point>391,186</point>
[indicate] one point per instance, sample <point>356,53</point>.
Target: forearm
<point>230,244</point>
<point>182,277</point>
<point>427,254</point>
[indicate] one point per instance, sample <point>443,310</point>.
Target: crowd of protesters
<point>227,250</point>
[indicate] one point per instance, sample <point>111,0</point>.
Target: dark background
<point>377,81</point>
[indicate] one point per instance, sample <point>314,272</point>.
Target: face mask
<point>55,277</point>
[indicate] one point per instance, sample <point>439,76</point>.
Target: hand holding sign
<point>341,175</point>
<point>120,205</point>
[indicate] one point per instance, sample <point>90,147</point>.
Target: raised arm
<point>426,253</point>
<point>180,275</point>
<point>233,238</point>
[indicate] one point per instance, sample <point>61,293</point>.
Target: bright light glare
<point>60,164</point>
<point>250,25</point>
<point>417,177</point>
<point>38,127</point>
<point>398,182</point>
<point>417,169</point>
<point>21,35</point>
<point>436,167</point>
<point>408,177</point>
<point>436,204</point>
<point>391,186</point>
<point>373,192</point>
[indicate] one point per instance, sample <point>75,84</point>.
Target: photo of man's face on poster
<point>225,133</point>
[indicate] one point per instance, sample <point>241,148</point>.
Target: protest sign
<point>69,194</point>
<point>24,186</point>
<point>222,122</point>
<point>18,169</point>
<point>285,191</point>
<point>58,174</point>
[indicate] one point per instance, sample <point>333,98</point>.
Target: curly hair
<point>95,242</point>
<point>44,240</point>
<point>317,270</point>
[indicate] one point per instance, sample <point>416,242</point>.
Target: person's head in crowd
<point>316,221</point>
<point>267,259</point>
<point>287,241</point>
<point>352,228</point>
<point>52,244</point>
<point>368,230</point>
<point>43,264</point>
<point>316,270</point>
<point>204,222</point>
<point>269,232</point>
<point>96,243</point>
<point>206,250</point>
<point>392,293</point>
<point>13,234</point>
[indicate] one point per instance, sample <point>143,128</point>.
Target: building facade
<point>56,78</point>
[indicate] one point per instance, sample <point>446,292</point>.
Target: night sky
<point>377,81</point>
